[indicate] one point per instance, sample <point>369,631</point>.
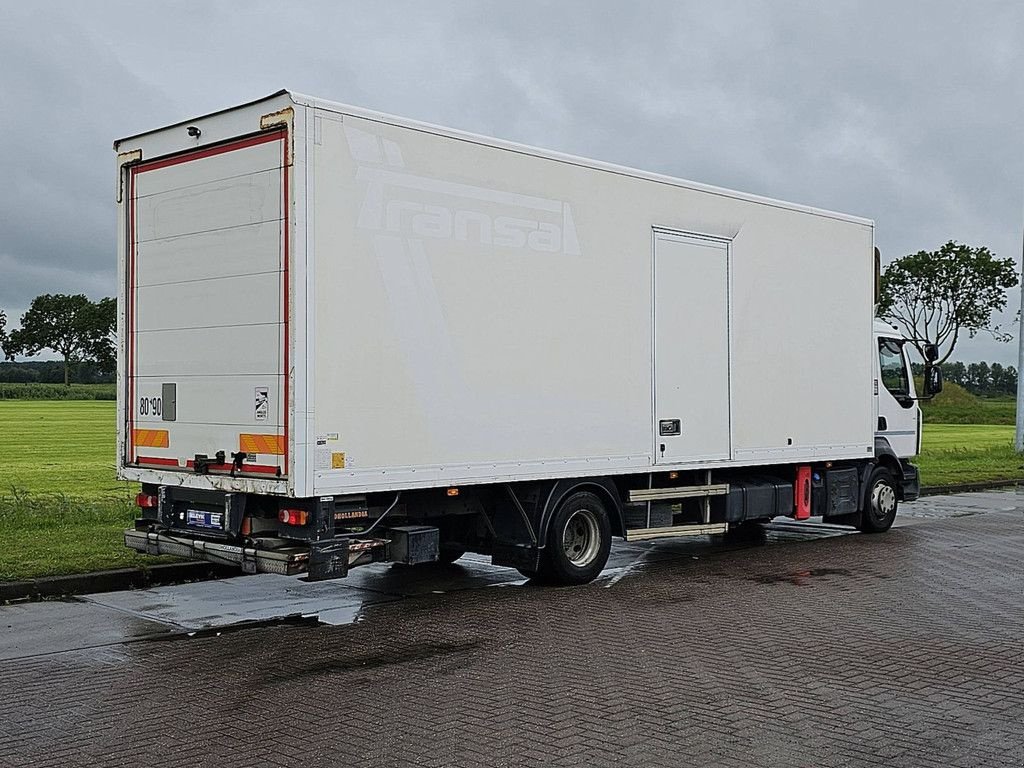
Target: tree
<point>72,326</point>
<point>3,333</point>
<point>979,378</point>
<point>937,295</point>
<point>104,347</point>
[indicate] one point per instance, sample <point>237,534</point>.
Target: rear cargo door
<point>691,349</point>
<point>207,308</point>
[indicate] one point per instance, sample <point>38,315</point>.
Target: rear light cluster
<point>147,501</point>
<point>293,516</point>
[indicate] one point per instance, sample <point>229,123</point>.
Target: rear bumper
<point>323,560</point>
<point>911,483</point>
<point>286,562</point>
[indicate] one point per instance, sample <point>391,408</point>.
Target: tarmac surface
<point>815,646</point>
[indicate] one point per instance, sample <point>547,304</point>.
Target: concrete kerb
<point>112,581</point>
<point>139,578</point>
<point>986,485</point>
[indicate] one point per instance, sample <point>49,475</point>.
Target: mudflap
<point>910,484</point>
<point>523,556</point>
<point>328,560</point>
<point>853,518</point>
<point>513,525</point>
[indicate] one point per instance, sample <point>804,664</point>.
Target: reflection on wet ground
<point>180,611</point>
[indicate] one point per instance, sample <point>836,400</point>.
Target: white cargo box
<point>361,303</point>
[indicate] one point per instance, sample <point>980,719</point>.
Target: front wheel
<point>578,541</point>
<point>880,502</point>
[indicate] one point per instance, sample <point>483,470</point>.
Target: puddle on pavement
<point>205,609</point>
<point>296,620</point>
<point>209,608</point>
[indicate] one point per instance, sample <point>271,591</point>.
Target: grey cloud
<point>905,113</point>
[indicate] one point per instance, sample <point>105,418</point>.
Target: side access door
<point>207,309</point>
<point>691,348</point>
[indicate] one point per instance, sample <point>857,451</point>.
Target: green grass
<point>46,535</point>
<point>968,453</point>
<point>36,391</point>
<point>61,510</point>
<point>62,447</point>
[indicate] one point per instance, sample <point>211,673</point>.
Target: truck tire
<point>578,541</point>
<point>880,502</point>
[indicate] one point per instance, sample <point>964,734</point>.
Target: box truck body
<point>322,302</point>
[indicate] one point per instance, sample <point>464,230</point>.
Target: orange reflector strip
<point>271,444</point>
<point>151,438</point>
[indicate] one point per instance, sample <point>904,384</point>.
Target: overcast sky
<point>911,114</point>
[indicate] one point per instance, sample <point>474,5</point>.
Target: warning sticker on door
<point>326,457</point>
<point>262,403</point>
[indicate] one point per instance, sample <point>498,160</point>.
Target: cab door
<point>898,412</point>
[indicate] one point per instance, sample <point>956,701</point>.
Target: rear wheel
<point>880,502</point>
<point>578,541</point>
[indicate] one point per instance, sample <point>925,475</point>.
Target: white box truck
<point>347,337</point>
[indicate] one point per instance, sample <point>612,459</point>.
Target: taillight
<point>293,516</point>
<point>146,501</point>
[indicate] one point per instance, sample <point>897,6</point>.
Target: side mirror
<point>933,381</point>
<point>931,353</point>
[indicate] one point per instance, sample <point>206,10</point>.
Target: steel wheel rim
<point>883,499</point>
<point>581,538</point>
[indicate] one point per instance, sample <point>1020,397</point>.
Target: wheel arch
<point>886,457</point>
<point>602,487</point>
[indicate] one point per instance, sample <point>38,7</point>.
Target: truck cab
<point>897,410</point>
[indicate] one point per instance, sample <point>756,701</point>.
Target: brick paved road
<point>900,650</point>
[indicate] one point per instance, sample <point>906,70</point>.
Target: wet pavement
<point>814,646</point>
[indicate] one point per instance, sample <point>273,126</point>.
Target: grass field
<point>62,511</point>
<point>968,453</point>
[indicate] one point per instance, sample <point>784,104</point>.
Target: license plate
<point>197,518</point>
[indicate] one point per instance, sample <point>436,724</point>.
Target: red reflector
<point>146,501</point>
<point>802,493</point>
<point>293,516</point>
